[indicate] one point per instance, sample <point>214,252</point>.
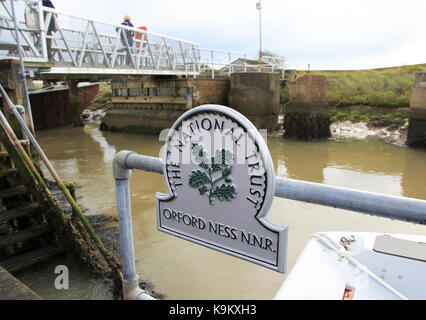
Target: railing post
<point>230,67</point>
<point>212,64</point>
<point>131,289</point>
<point>42,29</point>
<point>22,75</point>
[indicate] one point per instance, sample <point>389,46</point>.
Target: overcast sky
<point>327,34</point>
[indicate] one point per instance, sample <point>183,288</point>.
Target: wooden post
<point>9,78</point>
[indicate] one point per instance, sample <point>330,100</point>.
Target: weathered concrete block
<point>209,91</point>
<point>307,125</point>
<point>255,93</point>
<point>310,89</point>
<point>416,136</point>
<point>420,79</point>
<point>418,98</point>
<point>306,114</point>
<point>139,120</point>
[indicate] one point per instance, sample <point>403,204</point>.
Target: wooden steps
<point>29,259</point>
<point>18,212</point>
<point>23,235</point>
<point>8,172</point>
<point>15,191</point>
<point>22,240</point>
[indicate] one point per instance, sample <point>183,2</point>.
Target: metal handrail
<point>400,208</point>
<point>377,204</point>
<point>72,46</point>
<point>222,61</point>
<point>21,120</point>
<point>92,46</point>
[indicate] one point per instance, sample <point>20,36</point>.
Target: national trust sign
<point>221,182</point>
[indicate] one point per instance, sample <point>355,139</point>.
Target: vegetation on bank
<point>374,116</point>
<point>387,87</point>
<point>104,94</point>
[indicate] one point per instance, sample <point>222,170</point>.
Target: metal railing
<point>219,63</point>
<point>79,45</point>
<point>31,31</point>
<point>393,207</point>
<point>74,43</point>
<point>19,114</point>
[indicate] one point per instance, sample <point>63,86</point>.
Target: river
<point>183,270</point>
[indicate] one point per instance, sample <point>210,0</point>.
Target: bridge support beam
<point>416,136</point>
<point>151,104</point>
<point>306,115</point>
<point>74,103</point>
<point>9,79</point>
<point>257,96</point>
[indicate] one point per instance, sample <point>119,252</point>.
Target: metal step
<point>7,193</point>
<point>15,213</point>
<point>23,235</point>
<point>30,259</point>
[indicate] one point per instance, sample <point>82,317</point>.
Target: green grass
<point>388,87</point>
<point>104,93</point>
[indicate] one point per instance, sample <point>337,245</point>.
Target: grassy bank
<point>388,87</point>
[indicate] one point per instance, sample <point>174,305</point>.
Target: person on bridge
<point>127,38</point>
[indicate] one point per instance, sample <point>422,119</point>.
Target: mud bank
<point>370,130</point>
<point>106,227</point>
<point>379,127</point>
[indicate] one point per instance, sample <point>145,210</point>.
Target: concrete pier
<point>306,114</point>
<point>257,96</point>
<point>416,136</point>
<point>150,104</point>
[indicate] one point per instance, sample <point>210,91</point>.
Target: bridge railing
<point>220,62</point>
<point>29,31</point>
<point>78,43</point>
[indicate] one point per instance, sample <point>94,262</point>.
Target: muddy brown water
<point>182,270</point>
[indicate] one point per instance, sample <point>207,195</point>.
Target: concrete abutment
<point>416,136</point>
<point>150,104</point>
<point>306,114</point>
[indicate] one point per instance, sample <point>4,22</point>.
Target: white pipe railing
<point>393,207</point>
<point>222,62</point>
<point>84,45</point>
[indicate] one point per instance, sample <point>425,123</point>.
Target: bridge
<point>82,46</point>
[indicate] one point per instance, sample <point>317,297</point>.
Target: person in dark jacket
<point>51,29</point>
<point>127,35</point>
<point>48,3</point>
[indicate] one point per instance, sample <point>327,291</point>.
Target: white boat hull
<point>359,272</point>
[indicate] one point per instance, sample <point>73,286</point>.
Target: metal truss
<point>85,46</point>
